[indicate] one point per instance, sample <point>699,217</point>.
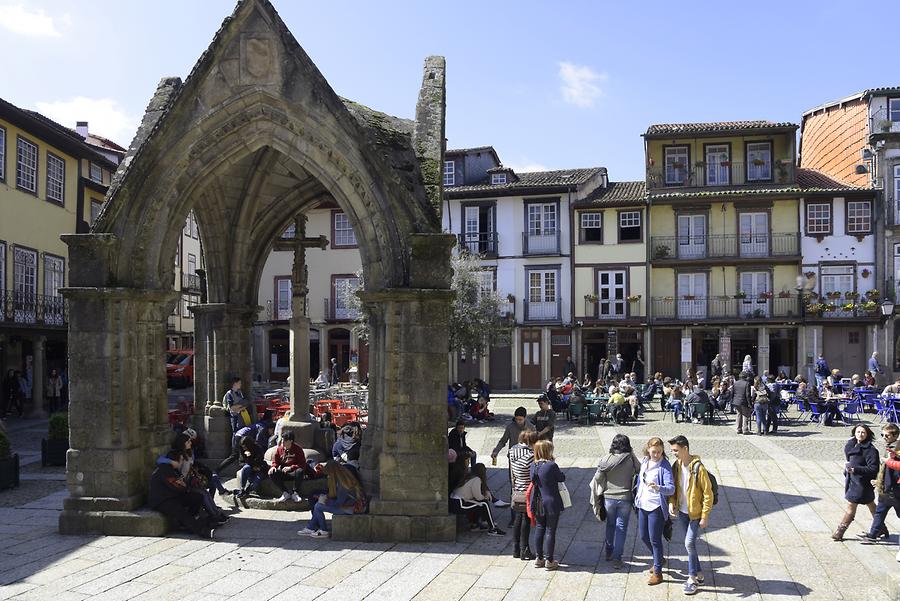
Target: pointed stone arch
<point>252,138</point>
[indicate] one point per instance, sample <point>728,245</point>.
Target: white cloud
<point>526,165</point>
<point>28,21</point>
<point>579,84</point>
<point>104,116</point>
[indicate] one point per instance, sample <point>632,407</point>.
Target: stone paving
<point>780,498</point>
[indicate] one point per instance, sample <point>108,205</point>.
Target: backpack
<point>712,481</point>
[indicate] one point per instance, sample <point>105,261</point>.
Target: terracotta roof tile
<point>533,180</point>
<point>659,129</point>
<point>615,194</point>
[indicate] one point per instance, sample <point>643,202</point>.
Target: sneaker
<point>690,587</point>
<point>307,532</point>
<point>295,498</point>
<point>285,496</point>
<point>539,563</point>
<point>552,565</point>
<point>212,533</point>
<point>496,532</point>
<point>500,503</point>
<point>321,534</point>
<point>699,578</point>
<point>527,555</point>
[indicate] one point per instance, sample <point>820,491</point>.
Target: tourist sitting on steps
<point>345,497</point>
<point>287,468</point>
<point>347,446</point>
<point>470,496</point>
<point>169,495</point>
<point>196,480</point>
<point>253,470</point>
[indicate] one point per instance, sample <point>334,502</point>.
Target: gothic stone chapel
<point>249,141</point>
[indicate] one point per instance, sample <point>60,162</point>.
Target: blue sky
<point>549,84</point>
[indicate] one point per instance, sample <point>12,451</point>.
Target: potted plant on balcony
<point>868,306</point>
<point>886,125</point>
<point>865,273</point>
<point>668,298</point>
<point>662,251</point>
<point>831,307</point>
<point>834,295</point>
<point>849,306</point>
<point>765,296</point>
<point>54,447</point>
<point>873,295</point>
<point>740,294</point>
<point>851,295</point>
<point>724,163</point>
<point>689,297</point>
<point>633,298</point>
<point>591,298</point>
<point>758,162</point>
<point>784,294</point>
<point>9,464</point>
<point>815,309</point>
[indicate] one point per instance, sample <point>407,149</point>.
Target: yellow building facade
<point>43,194</point>
<point>724,245</point>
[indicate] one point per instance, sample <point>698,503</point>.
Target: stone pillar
<point>221,352</point>
<point>686,333</point>
<point>762,350</point>
<point>404,455</point>
<point>117,402</point>
<point>298,421</point>
<point>38,377</point>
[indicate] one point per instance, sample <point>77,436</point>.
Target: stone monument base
<point>141,522</point>
<point>393,528</point>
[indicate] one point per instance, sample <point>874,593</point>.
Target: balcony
<point>880,123</point>
<point>508,309</point>
<point>726,246</point>
<point>480,243</point>
<point>335,313</point>
<point>33,310</point>
<point>836,306</point>
<point>689,308</point>
<point>190,282</point>
<point>546,243</point>
<point>276,312</point>
<point>542,311</point>
<point>725,174</point>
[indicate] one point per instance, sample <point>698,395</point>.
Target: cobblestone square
<point>780,498</point>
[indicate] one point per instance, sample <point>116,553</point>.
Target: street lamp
<point>887,309</point>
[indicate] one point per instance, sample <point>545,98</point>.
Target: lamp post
<point>887,310</point>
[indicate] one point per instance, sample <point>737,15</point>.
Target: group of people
<point>469,401</point>
<point>184,489</point>
<point>18,387</point>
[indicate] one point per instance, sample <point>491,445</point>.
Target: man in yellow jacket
<point>691,504</point>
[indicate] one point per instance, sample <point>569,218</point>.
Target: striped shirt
<point>520,459</point>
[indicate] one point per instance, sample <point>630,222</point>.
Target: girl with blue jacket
<point>655,485</point>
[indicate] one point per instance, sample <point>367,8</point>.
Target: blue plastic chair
<point>852,409</point>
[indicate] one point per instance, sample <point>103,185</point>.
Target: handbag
<point>564,495</point>
<point>519,500</point>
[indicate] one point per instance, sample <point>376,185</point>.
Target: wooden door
<point>560,349</point>
<point>530,362</point>
<point>667,352</point>
<point>844,349</point>
<point>501,368</point>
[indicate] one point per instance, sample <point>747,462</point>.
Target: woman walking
<point>521,458</point>
<point>761,406</point>
<point>546,476</point>
<point>861,468</point>
<point>614,479</point>
<point>655,485</point>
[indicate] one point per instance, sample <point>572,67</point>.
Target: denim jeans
<point>677,409</point>
<point>546,531</point>
<point>691,535</point>
<point>885,502</point>
<point>618,512</point>
<point>318,514</point>
<point>522,531</point>
<point>249,479</point>
<point>650,529</point>
<point>762,416</point>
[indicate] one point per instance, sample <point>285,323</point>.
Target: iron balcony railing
<point>481,243</point>
<point>278,312</point>
<point>724,246</point>
<point>881,123</point>
<point>33,309</point>
<point>542,311</point>
<point>338,313</point>
<point>190,281</point>
<point>690,308</point>
<point>545,243</point>
<point>721,174</point>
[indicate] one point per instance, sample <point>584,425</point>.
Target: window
<point>186,304</point>
<point>818,218</point>
<point>449,173</point>
<point>859,217</point>
<point>837,278</point>
<point>611,294</point>
<point>755,284</point>
<point>54,275</point>
<point>754,234</point>
<point>542,294</point>
<point>56,178</point>
<point>342,230</point>
<point>541,219</point>
<point>486,281</point>
<point>691,237</point>
<point>24,284</point>
<point>343,288</point>
<point>478,228</point>
<point>282,298</point>
<point>498,178</point>
<point>759,161</point>
<point>591,227</point>
<point>290,232</point>
<point>2,154</point>
<point>96,207</point>
<point>630,226</point>
<point>894,109</point>
<point>96,173</point>
<point>192,264</point>
<point>718,164</point>
<point>676,159</point>
<point>26,165</point>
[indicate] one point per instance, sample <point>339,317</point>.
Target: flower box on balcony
<point>851,295</point>
<point>869,306</point>
<point>848,306</point>
<point>765,295</point>
<point>725,164</point>
<point>815,309</point>
<point>873,295</point>
<point>591,298</point>
<point>689,297</point>
<point>678,165</point>
<point>784,294</point>
<point>634,298</point>
<point>833,295</point>
<point>740,294</point>
<point>759,162</point>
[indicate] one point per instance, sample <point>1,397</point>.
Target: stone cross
<point>299,327</point>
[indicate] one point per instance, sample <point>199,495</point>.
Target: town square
<point>261,339</point>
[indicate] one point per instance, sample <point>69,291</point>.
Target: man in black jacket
<point>741,401</point>
<point>169,495</point>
